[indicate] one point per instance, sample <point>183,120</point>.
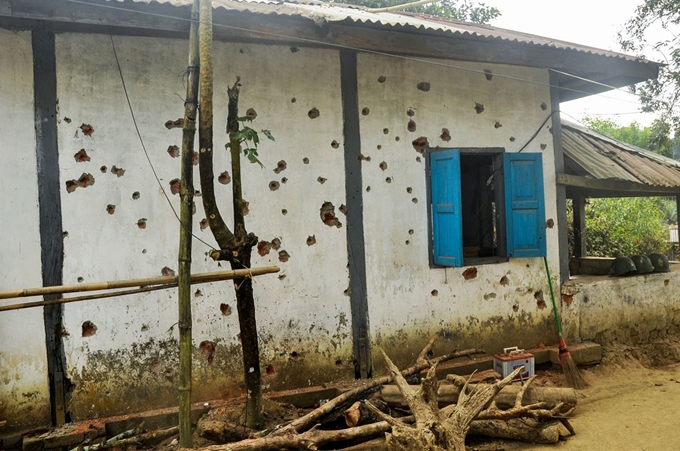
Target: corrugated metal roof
<point>600,157</point>
<point>337,12</point>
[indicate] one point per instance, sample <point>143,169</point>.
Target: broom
<point>573,375</point>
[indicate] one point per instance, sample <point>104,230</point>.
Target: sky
<point>589,22</point>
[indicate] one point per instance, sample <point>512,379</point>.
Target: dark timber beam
<point>579,225</point>
<point>560,191</point>
<point>49,205</point>
<point>358,293</point>
<point>613,188</point>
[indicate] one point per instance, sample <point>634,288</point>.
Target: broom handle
<point>552,296</point>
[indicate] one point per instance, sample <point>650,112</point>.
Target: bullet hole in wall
<point>110,209</point>
<point>445,136</point>
<point>282,276</point>
<point>135,195</point>
<point>203,224</point>
<point>179,123</point>
<point>339,363</point>
<point>396,138</point>
<point>544,106</point>
<point>280,167</point>
<point>293,100</point>
<point>383,165</point>
<point>418,159</point>
<point>80,280</point>
<point>305,160</point>
<point>414,200</point>
<point>434,293</point>
<point>512,139</point>
<point>365,111</point>
<point>167,271</point>
<point>420,144</point>
<point>313,113</point>
<point>81,156</point>
<point>263,248</point>
<point>294,355</point>
<point>504,281</point>
<point>382,79</point>
<point>251,114</point>
<point>175,186</point>
<point>143,251</point>
<point>378,147</point>
<point>84,181</point>
<point>224,178</point>
<point>208,349</point>
<point>543,146</point>
<point>409,189</point>
<point>346,292</point>
<point>497,124</point>
<point>550,223</point>
<point>64,234</point>
<point>368,189</point>
<point>144,328</point>
<point>410,231</point>
<point>488,74</point>
<point>141,223</point>
<point>269,371</point>
<point>540,302</point>
<point>284,256</point>
<point>117,171</point>
<point>276,244</point>
<point>87,129</point>
<point>225,309</point>
<point>294,49</point>
<point>335,144</point>
<point>67,120</point>
<point>89,329</point>
<point>173,151</point>
<point>666,282</point>
<point>567,299</point>
<point>386,130</point>
<point>479,108</point>
<point>194,158</point>
<point>407,242</point>
<point>311,240</point>
<point>198,293</point>
<point>284,212</point>
<point>321,180</point>
<point>388,180</point>
<point>515,307</point>
<point>327,213</point>
<point>103,169</point>
<point>470,273</point>
<point>411,125</point>
<point>343,209</point>
<point>245,207</point>
<point>274,185</point>
<point>410,112</point>
<point>284,180</point>
<point>423,86</point>
<point>488,296</point>
<point>363,157</point>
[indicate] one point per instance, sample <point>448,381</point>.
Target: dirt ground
<point>632,404</point>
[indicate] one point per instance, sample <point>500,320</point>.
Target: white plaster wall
<point>24,390</point>
<point>305,313</point>
<point>400,282</point>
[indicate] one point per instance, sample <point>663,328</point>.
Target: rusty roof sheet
<point>321,12</point>
<point>600,157</point>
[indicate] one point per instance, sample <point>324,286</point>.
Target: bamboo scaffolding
<point>147,284</point>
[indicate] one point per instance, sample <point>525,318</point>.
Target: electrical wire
<point>141,140</point>
<point>374,52</point>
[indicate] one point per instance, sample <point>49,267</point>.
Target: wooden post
<point>185,235</point>
<point>579,204</point>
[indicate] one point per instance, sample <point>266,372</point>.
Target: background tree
<point>451,9</point>
<point>625,226</point>
<point>660,95</point>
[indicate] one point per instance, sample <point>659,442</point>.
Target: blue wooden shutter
<point>524,204</point>
<point>447,226</point>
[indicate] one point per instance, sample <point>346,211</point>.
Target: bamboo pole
<point>185,234</point>
<point>171,281</point>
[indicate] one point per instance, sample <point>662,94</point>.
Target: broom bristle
<point>572,373</point>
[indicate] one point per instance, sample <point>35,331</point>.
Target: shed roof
<point>603,164</point>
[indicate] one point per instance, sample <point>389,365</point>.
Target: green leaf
<point>245,119</point>
<point>268,134</point>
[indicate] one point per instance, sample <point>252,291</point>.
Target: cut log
<point>221,431</point>
<point>448,394</point>
<point>519,429</point>
<point>359,414</point>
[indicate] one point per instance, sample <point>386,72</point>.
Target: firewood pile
<point>433,416</point>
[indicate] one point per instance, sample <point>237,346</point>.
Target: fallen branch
<point>313,417</point>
